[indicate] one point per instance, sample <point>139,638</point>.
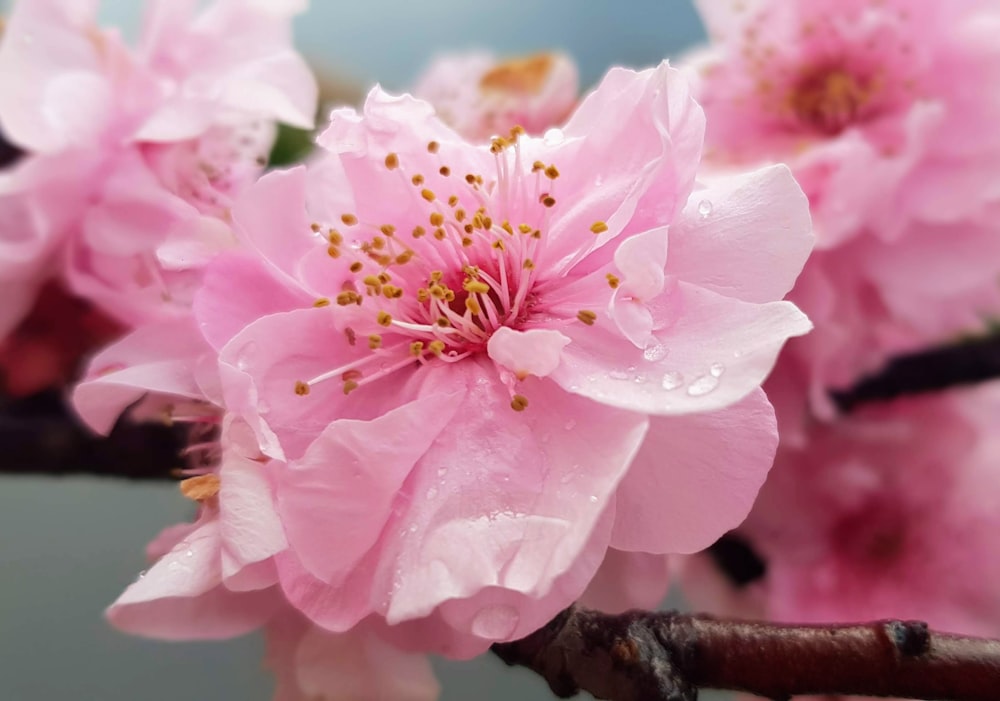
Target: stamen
<point>613,281</point>
<point>301,388</point>
<point>201,488</point>
<point>598,227</point>
<point>586,316</point>
<point>392,161</point>
<point>519,402</point>
<point>349,219</point>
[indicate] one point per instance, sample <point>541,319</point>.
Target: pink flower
<point>480,96</point>
<point>474,369</point>
<point>142,150</point>
<point>891,512</point>
<point>878,108</point>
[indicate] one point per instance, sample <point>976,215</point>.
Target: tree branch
<point>931,370</point>
<point>666,656</point>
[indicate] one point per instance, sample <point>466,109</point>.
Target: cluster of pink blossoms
<point>431,382</point>
<point>496,348</point>
<point>882,112</point>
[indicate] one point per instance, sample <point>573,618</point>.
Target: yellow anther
<point>333,251</point>
<point>374,341</point>
<point>392,161</point>
<point>428,194</point>
<point>498,144</point>
<point>352,337</point>
<point>388,229</point>
<point>417,179</point>
<point>470,178</point>
<point>552,172</point>
<point>586,316</point>
<point>348,297</point>
<point>453,200</point>
<point>350,386</point>
<point>516,131</point>
<point>392,292</point>
<point>537,166</point>
<point>507,227</point>
<point>419,231</point>
<point>417,348</point>
<point>443,322</point>
<point>439,234</point>
<point>468,228</point>
<point>549,201</point>
<point>301,388</point>
<point>436,219</point>
<point>384,319</point>
<point>378,243</point>
<point>498,244</point>
<point>348,375</point>
<point>487,223</point>
<point>404,257</point>
<point>476,287</point>
<point>437,292</point>
<point>536,234</point>
<point>200,488</point>
<point>598,227</point>
<point>436,276</point>
<point>459,215</point>
<point>467,241</point>
<point>472,271</point>
<point>433,146</point>
<point>524,228</point>
<point>384,277</point>
<point>613,281</point>
<point>519,402</point>
<point>334,237</point>
<point>322,302</point>
<point>423,294</point>
<point>528,264</point>
<point>436,347</point>
<point>445,171</point>
<point>449,295</point>
<point>349,219</point>
<point>315,227</point>
<point>356,266</point>
<point>371,281</point>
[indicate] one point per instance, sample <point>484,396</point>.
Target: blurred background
<point>69,546</point>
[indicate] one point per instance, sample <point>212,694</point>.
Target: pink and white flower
<point>474,369</point>
<point>481,96</point>
<point>141,150</point>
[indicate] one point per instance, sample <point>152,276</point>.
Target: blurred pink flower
<point>474,369</point>
<point>481,96</point>
<point>879,110</point>
<point>134,155</point>
<point>891,512</point>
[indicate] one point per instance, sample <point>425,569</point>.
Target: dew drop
<point>639,379</point>
<point>671,381</point>
<point>554,137</point>
<point>592,498</point>
<point>246,355</point>
<point>738,354</point>
<point>702,386</point>
<point>442,471</point>
<point>618,375</point>
<point>412,528</point>
<point>655,352</point>
<point>716,370</point>
<point>142,575</point>
<point>189,553</point>
<point>431,493</point>
<point>704,209</point>
<point>497,622</point>
<point>570,425</point>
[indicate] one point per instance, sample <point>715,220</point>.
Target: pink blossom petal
<point>695,477</point>
<point>629,580</point>
<point>716,352</point>
<point>533,352</point>
<point>744,236</point>
<point>334,501</point>
<point>181,596</point>
<point>237,289</point>
<point>156,358</point>
<point>249,526</point>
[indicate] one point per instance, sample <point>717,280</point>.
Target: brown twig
<point>666,656</point>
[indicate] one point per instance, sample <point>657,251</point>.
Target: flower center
<point>829,100</point>
<point>457,266</point>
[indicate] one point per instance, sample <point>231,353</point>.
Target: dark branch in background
<point>928,371</point>
<point>9,153</point>
<point>41,435</point>
<point>642,656</point>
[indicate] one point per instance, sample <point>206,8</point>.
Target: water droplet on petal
<point>142,575</point>
<point>246,355</point>
<point>702,386</point>
<point>654,352</point>
<point>442,471</point>
<point>570,425</point>
<point>671,381</point>
<point>554,137</point>
<point>704,208</point>
<point>618,375</point>
<point>189,553</point>
<point>639,379</point>
<point>497,622</point>
<point>738,354</point>
<point>716,370</point>
<point>593,498</point>
<point>431,493</point>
